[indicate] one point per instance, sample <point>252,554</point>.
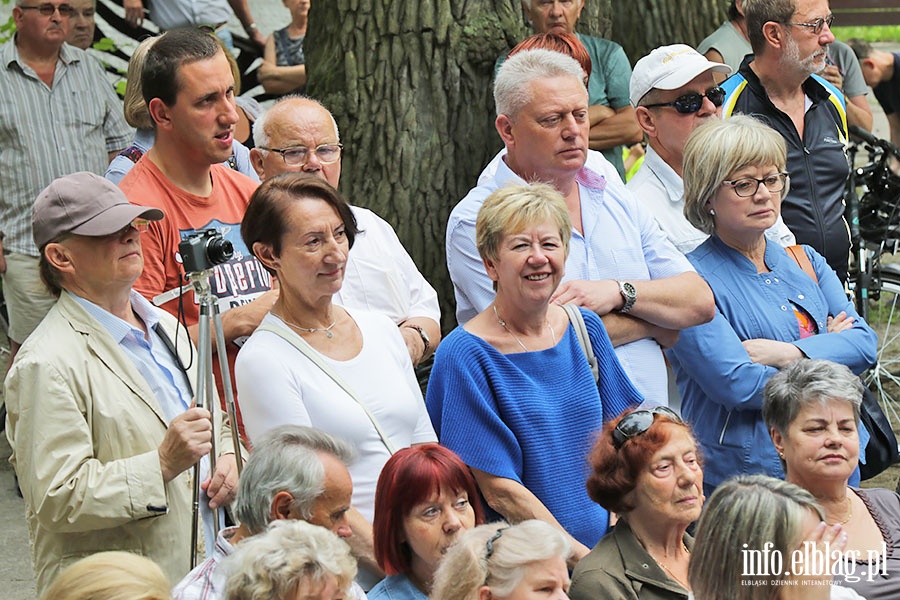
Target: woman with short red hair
<point>426,497</point>
<point>645,467</point>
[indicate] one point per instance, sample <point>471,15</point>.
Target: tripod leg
<point>226,384</point>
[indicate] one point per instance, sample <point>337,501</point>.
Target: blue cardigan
<point>721,388</point>
<point>531,416</point>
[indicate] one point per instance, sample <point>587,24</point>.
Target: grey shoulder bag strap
<point>310,353</point>
<point>581,332</point>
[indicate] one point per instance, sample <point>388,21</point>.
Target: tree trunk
<point>640,26</point>
<point>409,83</point>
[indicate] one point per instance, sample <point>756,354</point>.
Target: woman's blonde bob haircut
<point>513,549</point>
<point>134,107</point>
<point>510,210</point>
<point>110,576</point>
<point>716,150</point>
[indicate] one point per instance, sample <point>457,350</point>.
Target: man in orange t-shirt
<point>189,90</point>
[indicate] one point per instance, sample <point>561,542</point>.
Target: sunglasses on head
<point>638,422</point>
<point>691,103</point>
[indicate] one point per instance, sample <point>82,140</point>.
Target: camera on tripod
<point>204,250</point>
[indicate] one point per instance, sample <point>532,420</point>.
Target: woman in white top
<point>301,230</point>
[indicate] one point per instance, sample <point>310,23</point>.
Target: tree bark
<point>642,25</point>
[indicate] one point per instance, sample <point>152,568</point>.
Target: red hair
<point>410,477</point>
<point>564,43</point>
<point>614,472</point>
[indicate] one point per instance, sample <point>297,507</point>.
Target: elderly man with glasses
<point>779,84</point>
<point>58,115</point>
<point>299,134</point>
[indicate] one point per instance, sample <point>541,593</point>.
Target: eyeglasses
<point>638,422</point>
<point>489,546</point>
<point>748,186</point>
<point>47,9</point>
<point>298,156</point>
<point>139,225</point>
<point>816,25</point>
<point>691,103</point>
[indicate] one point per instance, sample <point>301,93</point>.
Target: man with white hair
<point>293,473</point>
<point>674,92</point>
<point>778,85</point>
<point>611,116</point>
<point>620,264</point>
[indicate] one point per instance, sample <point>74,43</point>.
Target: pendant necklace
<point>327,330</point>
<point>515,337</point>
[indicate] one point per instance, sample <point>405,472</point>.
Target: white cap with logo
<point>669,68</point>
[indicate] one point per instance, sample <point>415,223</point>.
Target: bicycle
<point>874,219</point>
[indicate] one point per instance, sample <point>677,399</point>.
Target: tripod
<point>206,396</point>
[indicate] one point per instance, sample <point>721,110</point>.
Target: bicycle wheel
<point>884,317</point>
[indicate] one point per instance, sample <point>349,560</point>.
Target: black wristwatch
<point>629,293</point>
<point>422,334</point>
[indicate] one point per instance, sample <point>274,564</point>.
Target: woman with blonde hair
<point>292,560</point>
<point>505,562</point>
<point>110,576</point>
<point>771,308</point>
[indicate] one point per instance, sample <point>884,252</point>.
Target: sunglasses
<point>47,9</point>
<point>638,422</point>
<point>691,103</point>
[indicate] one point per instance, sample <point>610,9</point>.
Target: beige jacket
<point>85,428</point>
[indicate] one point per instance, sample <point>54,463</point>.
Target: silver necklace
<point>327,330</point>
<point>515,337</point>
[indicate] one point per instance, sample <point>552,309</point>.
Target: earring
<point>712,211</point>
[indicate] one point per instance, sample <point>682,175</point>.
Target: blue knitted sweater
<point>531,416</point>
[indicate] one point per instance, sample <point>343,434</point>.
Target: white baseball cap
<point>669,68</point>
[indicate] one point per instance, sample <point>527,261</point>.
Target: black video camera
<point>204,250</point>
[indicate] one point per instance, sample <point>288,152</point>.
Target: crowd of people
<point>652,390</point>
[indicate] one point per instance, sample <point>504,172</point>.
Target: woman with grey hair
<point>511,391</point>
<point>505,562</point>
<point>812,410</point>
<point>292,560</point>
<point>771,308</point>
<point>755,541</point>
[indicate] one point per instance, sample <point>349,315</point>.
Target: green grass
<point>874,33</point>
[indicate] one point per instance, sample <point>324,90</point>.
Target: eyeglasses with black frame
<point>816,25</point>
<point>691,103</point>
<point>748,186</point>
<point>48,8</point>
<point>638,422</point>
<point>297,156</point>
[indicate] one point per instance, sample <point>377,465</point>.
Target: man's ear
<point>504,127</point>
<point>775,34</point>
<point>256,159</point>
<point>59,257</point>
<point>281,506</point>
<point>646,121</point>
<point>159,112</point>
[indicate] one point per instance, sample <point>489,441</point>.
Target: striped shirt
<point>46,132</point>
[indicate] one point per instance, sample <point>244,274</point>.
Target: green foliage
<point>874,33</point>
<point>7,29</point>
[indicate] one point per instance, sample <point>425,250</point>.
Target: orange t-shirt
<point>235,283</point>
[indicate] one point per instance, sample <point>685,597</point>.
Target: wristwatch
<point>424,336</point>
<point>629,293</point>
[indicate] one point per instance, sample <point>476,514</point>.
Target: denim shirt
<point>721,388</point>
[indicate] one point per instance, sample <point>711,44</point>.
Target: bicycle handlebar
<point>870,139</point>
